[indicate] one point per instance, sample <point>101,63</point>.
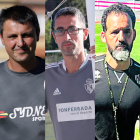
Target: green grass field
<point>101,47</point>
<point>137,136</point>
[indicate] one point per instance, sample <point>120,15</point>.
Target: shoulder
<point>134,67</point>
<point>99,67</point>
<point>54,65</point>
<point>136,64</point>
<point>134,72</point>
<point>2,64</point>
<point>99,62</point>
<point>3,71</point>
<point>99,59</point>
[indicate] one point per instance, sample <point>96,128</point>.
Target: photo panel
<point>117,69</point>
<point>69,94</point>
<point>22,69</point>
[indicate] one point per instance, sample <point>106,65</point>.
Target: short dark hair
<point>117,8</point>
<point>20,14</point>
<point>70,11</point>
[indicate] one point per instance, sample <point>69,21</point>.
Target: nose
<point>67,36</point>
<point>20,41</point>
<point>121,36</point>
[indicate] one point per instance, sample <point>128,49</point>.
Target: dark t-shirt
<point>129,108</point>
<point>22,103</point>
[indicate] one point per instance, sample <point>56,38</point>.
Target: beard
<point>121,54</point>
<point>68,51</point>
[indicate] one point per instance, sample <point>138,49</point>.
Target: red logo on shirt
<point>3,115</point>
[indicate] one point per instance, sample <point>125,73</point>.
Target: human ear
<point>54,37</point>
<point>102,35</point>
<point>86,32</point>
<point>2,40</point>
<point>134,34</point>
<point>38,33</point>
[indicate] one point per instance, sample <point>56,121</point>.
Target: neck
<point>73,63</point>
<point>117,65</point>
<point>23,66</point>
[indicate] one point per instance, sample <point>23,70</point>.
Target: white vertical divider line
<point>90,8</point>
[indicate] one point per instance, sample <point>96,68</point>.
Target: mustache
<point>20,48</point>
<point>123,45</point>
<point>67,42</point>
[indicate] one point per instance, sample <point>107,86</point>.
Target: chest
<point>130,100</point>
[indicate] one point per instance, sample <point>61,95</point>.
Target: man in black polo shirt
<point>117,89</point>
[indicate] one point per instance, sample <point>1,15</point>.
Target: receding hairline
<point>118,13</point>
<point>27,22</point>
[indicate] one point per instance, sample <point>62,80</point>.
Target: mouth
<point>120,47</point>
<point>67,45</point>
<point>20,50</point>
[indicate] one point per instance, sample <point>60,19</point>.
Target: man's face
<point>70,44</point>
<point>119,36</point>
<point>19,40</point>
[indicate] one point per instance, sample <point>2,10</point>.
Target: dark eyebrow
<point>63,27</point>
<point>11,35</point>
<point>116,30</point>
<point>71,26</point>
<point>126,28</point>
<point>28,32</point>
<point>59,28</point>
<point>25,33</point>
